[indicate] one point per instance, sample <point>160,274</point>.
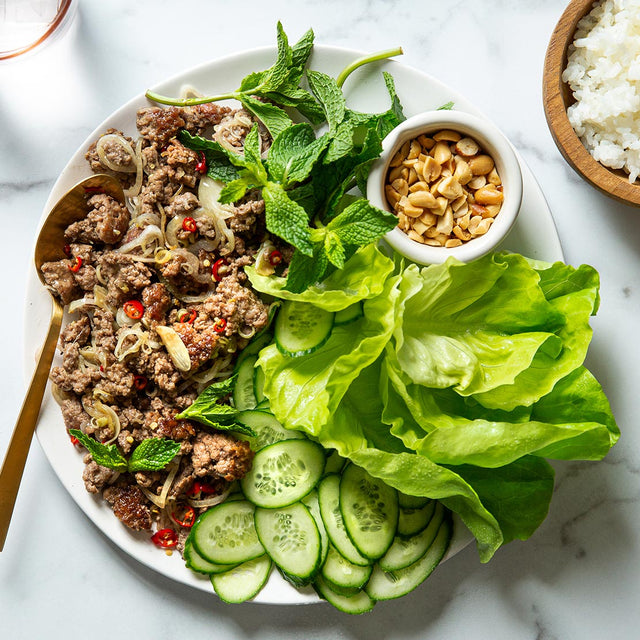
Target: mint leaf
<point>294,152</point>
<point>252,81</point>
<point>447,106</point>
<point>153,454</point>
<point>330,97</point>
<point>300,53</point>
<point>361,223</point>
<point>305,271</point>
<point>286,218</point>
<point>221,163</point>
<point>251,147</point>
<point>334,249</point>
<point>274,118</point>
<point>396,107</point>
<point>276,75</point>
<point>106,455</point>
<point>233,191</point>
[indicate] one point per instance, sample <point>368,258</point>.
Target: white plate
<point>534,235</point>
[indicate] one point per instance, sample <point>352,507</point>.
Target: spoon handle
<point>16,456</point>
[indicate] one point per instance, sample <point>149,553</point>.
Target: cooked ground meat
<point>118,379</point>
<point>130,506</point>
<point>156,301</point>
<point>218,454</point>
<point>95,477</point>
<point>106,222</point>
<point>59,278</point>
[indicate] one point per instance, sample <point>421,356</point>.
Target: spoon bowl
<point>49,248</point>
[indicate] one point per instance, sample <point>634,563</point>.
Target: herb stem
<point>188,102</point>
<point>381,55</point>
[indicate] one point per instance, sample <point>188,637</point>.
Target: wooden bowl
<point>557,97</point>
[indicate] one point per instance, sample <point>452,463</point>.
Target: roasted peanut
<point>481,165</point>
<point>443,188</point>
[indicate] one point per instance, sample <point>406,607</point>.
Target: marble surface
<point>577,577</point>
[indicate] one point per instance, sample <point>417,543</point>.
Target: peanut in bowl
<point>454,182</point>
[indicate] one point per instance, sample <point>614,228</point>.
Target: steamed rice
<point>603,71</point>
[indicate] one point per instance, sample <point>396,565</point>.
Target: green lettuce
<point>457,383</point>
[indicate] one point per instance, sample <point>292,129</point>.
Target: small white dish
<point>493,142</point>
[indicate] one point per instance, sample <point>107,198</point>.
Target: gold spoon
<point>49,248</point>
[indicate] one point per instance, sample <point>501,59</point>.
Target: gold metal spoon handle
<point>16,456</point>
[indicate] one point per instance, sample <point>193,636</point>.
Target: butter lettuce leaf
<point>457,383</point>
<point>363,278</point>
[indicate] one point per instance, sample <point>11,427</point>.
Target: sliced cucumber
<point>291,538</point>
<point>358,603</point>
<point>329,500</point>
<point>393,584</point>
<point>283,473</point>
<point>225,534</point>
<point>242,582</point>
<point>351,313</point>
<point>267,429</point>
<point>243,395</point>
<point>258,384</point>
<point>257,344</point>
<point>405,551</point>
<point>412,521</point>
<point>197,563</point>
<point>311,502</point>
<point>301,328</point>
<point>370,511</point>
<point>411,502</point>
<point>342,574</point>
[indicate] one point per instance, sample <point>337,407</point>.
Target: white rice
<point>603,71</point>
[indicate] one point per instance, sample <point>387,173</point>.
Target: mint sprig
<point>279,85</point>
<point>151,454</point>
<point>207,409</point>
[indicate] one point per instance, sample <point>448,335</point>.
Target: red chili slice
<point>188,318</point>
<point>140,382</point>
<point>201,167</point>
<point>133,309</point>
<point>275,257</point>
<point>185,519</point>
<point>189,224</point>
<point>219,269</point>
<point>75,265</point>
<point>165,538</point>
<point>74,440</point>
<point>202,488</point>
<point>220,325</point>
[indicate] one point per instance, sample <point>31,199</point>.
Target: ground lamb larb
<point>180,261</point>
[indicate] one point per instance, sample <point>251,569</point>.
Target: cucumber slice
<point>329,500</point>
<point>301,328</point>
<point>258,384</point>
<point>243,395</point>
<point>257,344</point>
<point>267,429</point>
<point>344,575</point>
<point>242,582</point>
<point>411,502</point>
<point>393,584</point>
<point>370,511</point>
<point>283,473</point>
<point>291,539</point>
<point>225,534</point>
<point>197,563</point>
<point>359,603</point>
<point>351,313</point>
<point>405,551</point>
<point>412,521</point>
<point>311,502</point>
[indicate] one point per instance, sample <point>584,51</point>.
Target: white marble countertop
<point>577,577</point>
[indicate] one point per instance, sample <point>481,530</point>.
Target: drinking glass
<point>26,25</point>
